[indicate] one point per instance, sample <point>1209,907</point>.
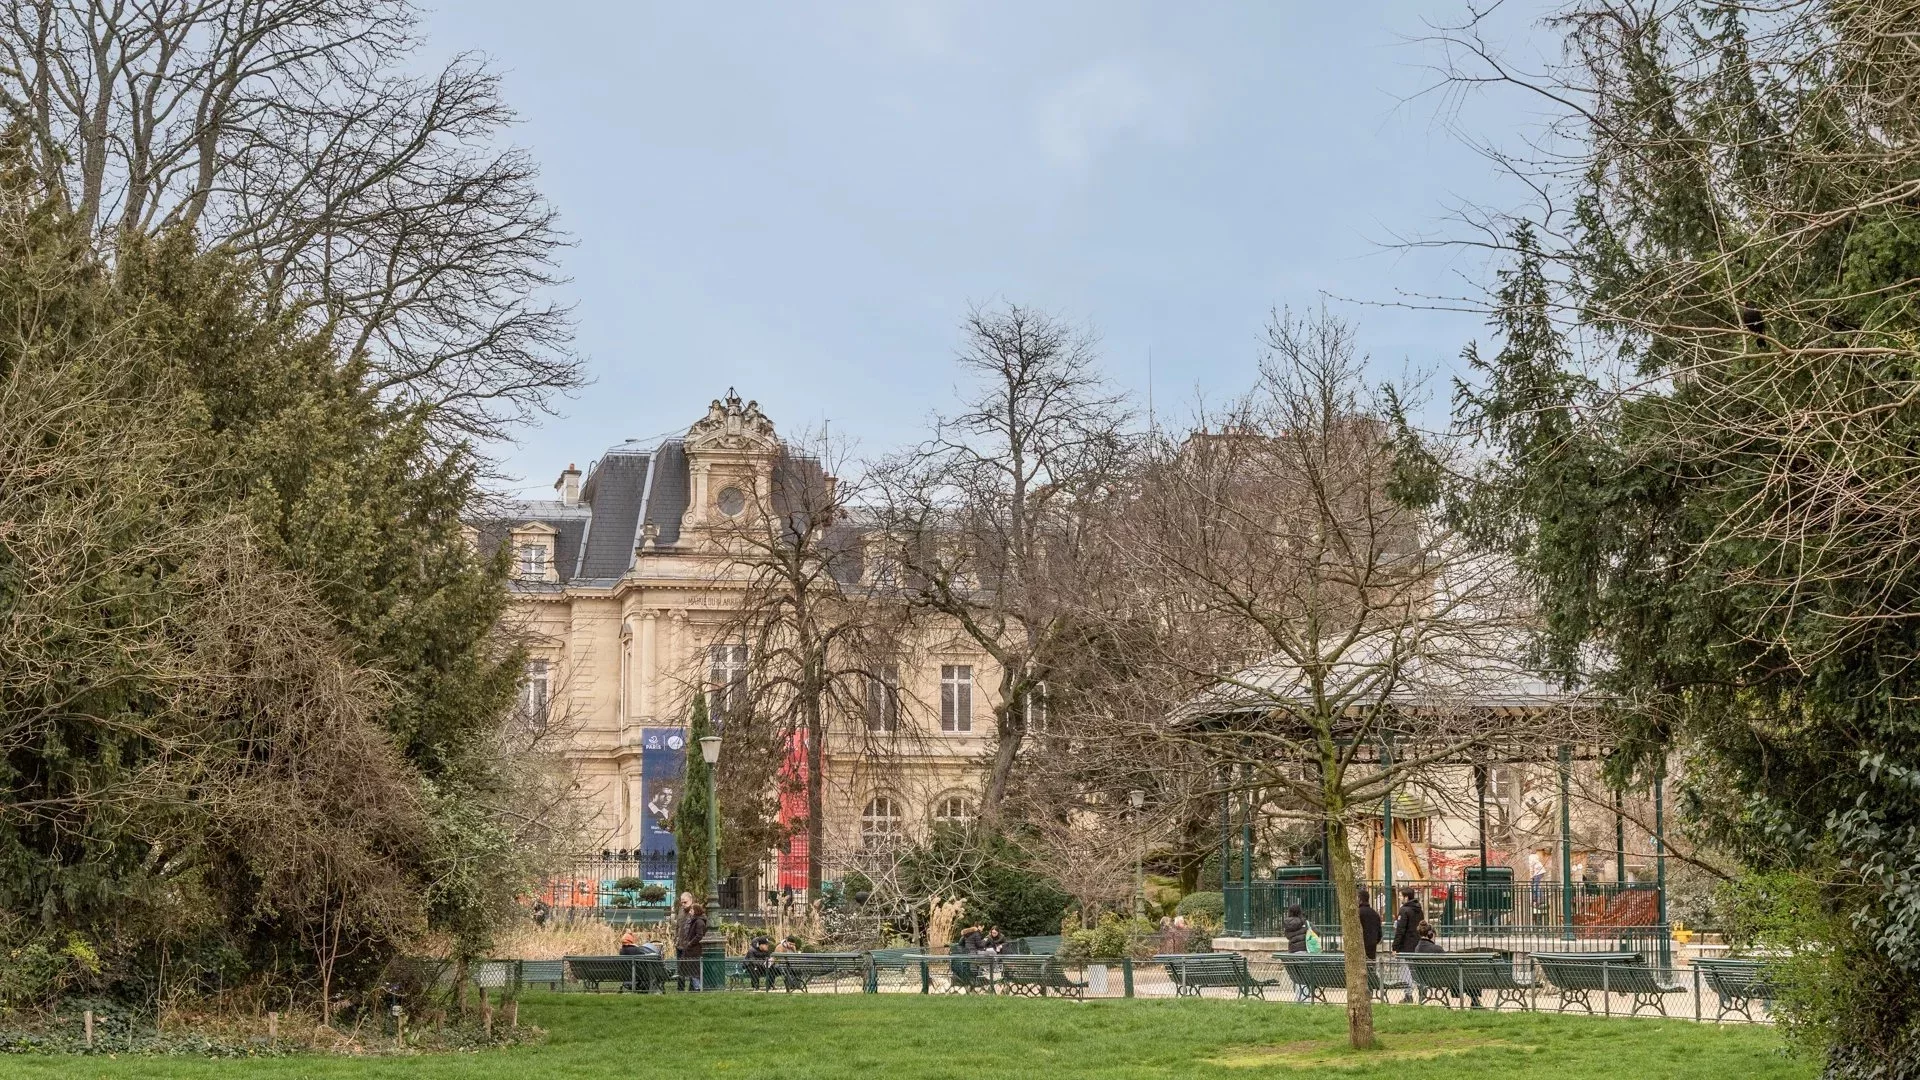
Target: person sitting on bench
<point>1428,945</point>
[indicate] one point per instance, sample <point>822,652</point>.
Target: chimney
<point>568,486</point>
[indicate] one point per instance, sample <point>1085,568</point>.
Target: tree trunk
<point>816,800</point>
<point>1009,729</point>
<point>1352,937</point>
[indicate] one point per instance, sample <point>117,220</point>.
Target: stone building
<point>630,597</point>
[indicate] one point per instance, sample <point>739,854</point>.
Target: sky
<point>801,201</point>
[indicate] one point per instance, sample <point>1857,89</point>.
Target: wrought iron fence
<point>1257,907</point>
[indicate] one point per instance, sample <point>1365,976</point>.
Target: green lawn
<point>979,1038</point>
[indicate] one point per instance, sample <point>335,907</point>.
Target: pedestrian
<point>690,946</point>
<point>996,941</point>
<point>973,939</point>
<point>1369,926</point>
<point>1406,938</point>
<point>1296,928</point>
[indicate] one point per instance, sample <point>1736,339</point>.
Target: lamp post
<point>1139,800</point>
<point>710,750</point>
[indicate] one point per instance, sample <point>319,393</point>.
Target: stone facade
<point>623,583</point>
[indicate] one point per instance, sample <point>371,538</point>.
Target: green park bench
<point>551,974</point>
<point>972,973</point>
<point>1194,972</point>
<point>1578,976</point>
<point>800,971</point>
<point>1738,983</point>
<point>1039,945</point>
<point>641,974</point>
<point>1034,976</point>
<point>891,961</point>
<point>1446,976</point>
<point>1321,972</point>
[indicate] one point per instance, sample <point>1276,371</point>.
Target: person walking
<point>1370,934</point>
<point>690,947</point>
<point>1406,938</point>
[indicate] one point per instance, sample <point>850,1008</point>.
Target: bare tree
<point>822,638</point>
<point>984,518</point>
<point>1298,623</point>
<point>377,203</point>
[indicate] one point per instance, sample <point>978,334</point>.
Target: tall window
<point>533,561</point>
<point>956,810</point>
<point>883,699</point>
<point>1036,708</point>
<point>727,677</point>
<point>880,823</point>
<point>533,693</point>
<point>956,697</point>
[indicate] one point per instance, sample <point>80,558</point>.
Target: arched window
<point>955,809</point>
<point>880,822</point>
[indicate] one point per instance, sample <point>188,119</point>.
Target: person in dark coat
<point>1406,937</point>
<point>690,946</point>
<point>758,963</point>
<point>1426,944</point>
<point>1295,926</point>
<point>1370,934</point>
<point>973,939</point>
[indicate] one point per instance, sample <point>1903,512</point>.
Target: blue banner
<point>663,752</point>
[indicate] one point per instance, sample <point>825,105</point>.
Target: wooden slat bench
<point>1738,983</point>
<point>1033,976</point>
<point>1444,976</point>
<point>641,974</point>
<point>972,973</point>
<point>1578,976</point>
<point>1321,972</point>
<point>550,973</point>
<point>799,971</point>
<point>1194,972</point>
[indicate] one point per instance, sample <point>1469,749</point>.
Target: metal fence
<point>1618,984</point>
<point>1257,907</point>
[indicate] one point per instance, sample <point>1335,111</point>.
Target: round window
<point>732,501</point>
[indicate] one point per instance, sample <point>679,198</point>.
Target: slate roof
<point>629,486</point>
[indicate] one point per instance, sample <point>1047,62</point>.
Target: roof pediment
<point>732,426</point>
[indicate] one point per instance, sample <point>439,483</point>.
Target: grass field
<point>901,1037</point>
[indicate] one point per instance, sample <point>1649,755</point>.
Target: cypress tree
<point>690,816</point>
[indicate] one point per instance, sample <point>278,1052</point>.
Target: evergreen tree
<point>690,816</point>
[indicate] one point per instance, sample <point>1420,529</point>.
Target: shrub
<point>653,894</point>
<point>628,883</point>
<point>1211,906</point>
<point>1111,938</point>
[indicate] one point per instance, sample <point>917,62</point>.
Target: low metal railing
<point>1613,984</point>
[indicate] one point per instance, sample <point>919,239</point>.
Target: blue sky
<point>801,200</point>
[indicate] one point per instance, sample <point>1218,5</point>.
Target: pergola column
<point>1566,842</point>
<point>1660,859</point>
<point>1386,832</point>
<point>1619,841</point>
<point>1226,830</point>
<point>1480,790</point>
<point>1246,854</point>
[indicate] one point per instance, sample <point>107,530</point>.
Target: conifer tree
<point>690,816</point>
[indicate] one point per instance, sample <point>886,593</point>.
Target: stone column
<point>649,666</point>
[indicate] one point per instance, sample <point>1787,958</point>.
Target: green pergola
<point>1430,709</point>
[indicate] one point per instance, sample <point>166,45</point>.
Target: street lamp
<point>710,750</point>
<point>1139,800</point>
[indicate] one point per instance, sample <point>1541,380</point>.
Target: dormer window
<point>532,546</point>
<point>533,561</point>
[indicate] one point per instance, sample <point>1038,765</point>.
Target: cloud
<point>1099,106</point>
